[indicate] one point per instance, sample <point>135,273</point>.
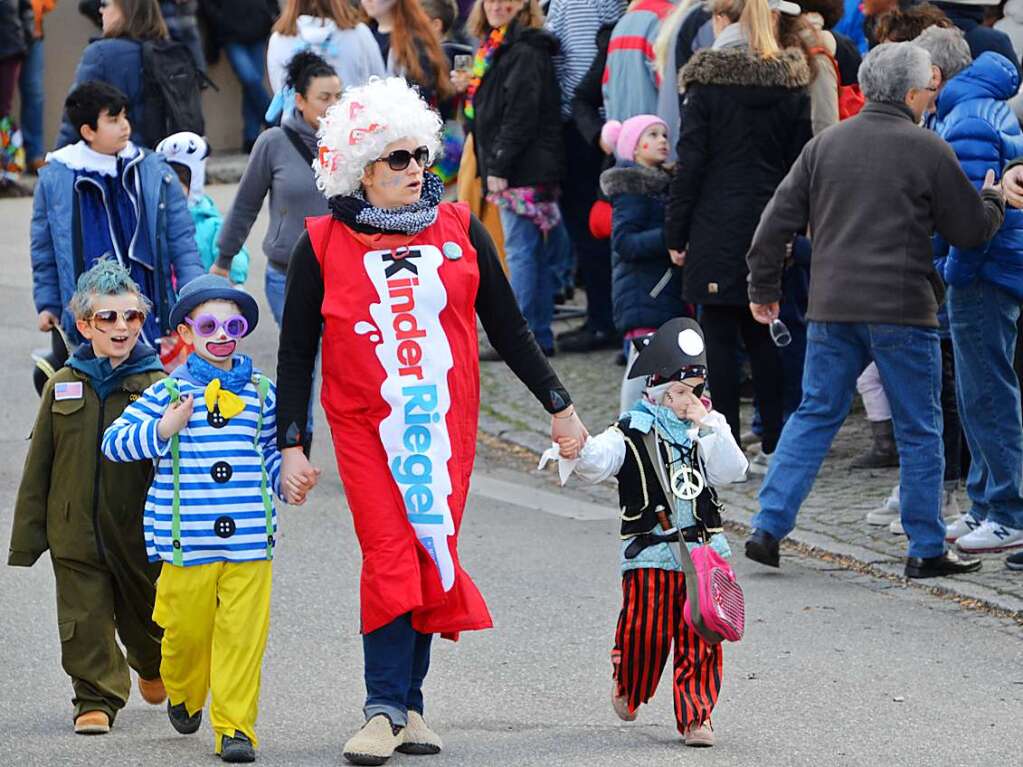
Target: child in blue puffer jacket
<point>186,153</point>
<point>646,289</point>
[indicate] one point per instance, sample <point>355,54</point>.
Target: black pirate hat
<point>674,352</point>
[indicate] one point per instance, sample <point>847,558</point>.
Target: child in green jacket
<point>87,510</point>
<point>186,153</point>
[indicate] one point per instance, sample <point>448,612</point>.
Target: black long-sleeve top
<point>303,324</point>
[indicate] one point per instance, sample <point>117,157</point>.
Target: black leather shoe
<point>762,547</point>
<point>949,563</point>
<point>237,749</point>
<point>180,719</point>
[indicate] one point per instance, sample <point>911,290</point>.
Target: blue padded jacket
<point>974,118</point>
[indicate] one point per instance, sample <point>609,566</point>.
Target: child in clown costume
<point>209,516</point>
<point>669,424</point>
<point>393,281</point>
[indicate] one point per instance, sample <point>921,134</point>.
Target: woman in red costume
<point>396,278</point>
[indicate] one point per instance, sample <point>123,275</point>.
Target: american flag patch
<point>67,390</point>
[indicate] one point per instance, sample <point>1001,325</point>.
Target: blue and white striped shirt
<point>221,503</point>
<point>575,23</point>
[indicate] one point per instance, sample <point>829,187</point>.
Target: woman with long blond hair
<point>745,118</point>
<point>331,29</point>
<point>410,47</point>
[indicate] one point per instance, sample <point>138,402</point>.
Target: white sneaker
<point>888,512</point>
<point>949,513</point>
<point>957,528</point>
<point>990,537</point>
<point>760,463</point>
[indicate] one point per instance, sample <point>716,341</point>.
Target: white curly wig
<point>355,131</point>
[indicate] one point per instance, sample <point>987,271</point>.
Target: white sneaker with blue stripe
<point>990,537</point>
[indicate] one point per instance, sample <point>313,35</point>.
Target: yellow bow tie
<point>229,403</point>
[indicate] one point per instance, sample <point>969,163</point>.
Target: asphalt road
<point>836,668</point>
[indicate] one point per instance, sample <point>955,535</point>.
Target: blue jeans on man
<point>532,257</point>
<point>983,319</point>
<point>248,60</point>
<point>909,360</point>
<point>397,659</point>
<point>30,86</point>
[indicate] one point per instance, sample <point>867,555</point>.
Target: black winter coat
<point>517,128</point>
<point>239,21</point>
<point>589,94</point>
<point>744,121</point>
<point>16,27</point>
<point>639,257</point>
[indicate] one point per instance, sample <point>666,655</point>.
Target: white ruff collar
<point>81,156</point>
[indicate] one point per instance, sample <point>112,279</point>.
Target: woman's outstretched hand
<point>298,476</point>
<point>568,431</point>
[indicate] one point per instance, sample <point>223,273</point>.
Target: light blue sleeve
<point>134,436</point>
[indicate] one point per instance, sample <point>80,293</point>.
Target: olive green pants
<point>93,601</point>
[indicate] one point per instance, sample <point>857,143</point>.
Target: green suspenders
<point>263,387</point>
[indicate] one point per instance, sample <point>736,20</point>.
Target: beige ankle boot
<point>418,738</point>
<point>374,743</point>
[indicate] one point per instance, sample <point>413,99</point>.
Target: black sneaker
<point>1015,562</point>
<point>762,547</point>
<point>237,749</point>
<point>181,721</point>
<point>586,340</point>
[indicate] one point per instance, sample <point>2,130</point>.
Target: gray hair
<point>947,48</point>
<point>105,278</point>
<point>891,70</point>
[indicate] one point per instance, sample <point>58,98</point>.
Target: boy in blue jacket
<point>186,153</point>
<point>103,196</point>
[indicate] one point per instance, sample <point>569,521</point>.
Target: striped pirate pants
<point>649,622</point>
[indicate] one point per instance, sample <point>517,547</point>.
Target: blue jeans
<point>909,360</point>
<point>983,319</point>
<point>274,283</point>
<point>248,60</point>
<point>30,84</point>
<point>397,660</point>
<point>532,258</point>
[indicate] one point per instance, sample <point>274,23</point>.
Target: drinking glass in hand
<point>779,333</point>
<point>463,63</point>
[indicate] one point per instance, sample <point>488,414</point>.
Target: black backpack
<point>171,98</point>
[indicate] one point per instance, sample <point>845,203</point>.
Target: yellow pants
<point>215,620</point>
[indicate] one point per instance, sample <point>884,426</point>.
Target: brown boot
<point>152,691</point>
<point>92,723</point>
<point>883,454</point>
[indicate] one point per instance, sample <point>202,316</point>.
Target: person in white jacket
<point>331,29</point>
<point>672,425</point>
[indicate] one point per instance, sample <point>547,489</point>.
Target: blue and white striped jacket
<point>221,503</point>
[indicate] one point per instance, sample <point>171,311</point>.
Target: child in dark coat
<point>646,288</point>
<point>87,511</point>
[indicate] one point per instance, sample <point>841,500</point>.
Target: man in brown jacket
<point>872,190</point>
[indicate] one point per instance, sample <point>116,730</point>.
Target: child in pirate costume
<point>209,515</point>
<point>696,449</point>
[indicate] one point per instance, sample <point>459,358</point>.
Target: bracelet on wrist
<point>571,409</point>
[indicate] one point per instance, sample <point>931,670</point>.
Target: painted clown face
<point>213,329</point>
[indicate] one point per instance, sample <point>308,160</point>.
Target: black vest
<point>640,495</point>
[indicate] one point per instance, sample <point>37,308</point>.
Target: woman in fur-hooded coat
<point>745,119</point>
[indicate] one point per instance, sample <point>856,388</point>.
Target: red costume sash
<point>401,393</point>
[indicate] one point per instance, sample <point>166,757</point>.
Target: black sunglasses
<point>399,159</point>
